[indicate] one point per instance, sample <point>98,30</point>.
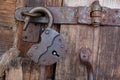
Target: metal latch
<point>75,15</point>
<point>95,15</point>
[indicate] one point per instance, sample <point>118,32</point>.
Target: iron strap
<point>77,15</point>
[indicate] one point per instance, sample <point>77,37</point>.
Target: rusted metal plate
<point>110,16</point>
<point>6,40</point>
<point>32,33</point>
<point>84,15</point>
<point>74,15</point>
<point>62,15</point>
<point>49,50</point>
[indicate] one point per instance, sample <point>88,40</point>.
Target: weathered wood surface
<point>26,70</point>
<point>6,40</point>
<point>7,8</point>
<point>104,43</point>
<point>7,22</point>
<point>7,31</point>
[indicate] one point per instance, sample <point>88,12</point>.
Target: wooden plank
<point>108,55</point>
<point>6,40</point>
<point>104,43</point>
<point>15,71</point>
<point>14,74</point>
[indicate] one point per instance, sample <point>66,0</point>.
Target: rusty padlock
<point>51,48</point>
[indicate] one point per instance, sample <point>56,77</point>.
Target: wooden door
<point>103,42</point>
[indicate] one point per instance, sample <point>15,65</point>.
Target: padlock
<point>51,48</point>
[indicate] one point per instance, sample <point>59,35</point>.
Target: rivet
<point>62,46</point>
<point>60,40</point>
<point>36,47</point>
<point>47,32</point>
<point>25,37</point>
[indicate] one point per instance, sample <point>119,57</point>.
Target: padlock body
<point>43,52</point>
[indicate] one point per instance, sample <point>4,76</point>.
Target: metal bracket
<point>95,15</point>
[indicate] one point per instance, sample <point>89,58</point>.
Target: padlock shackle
<point>39,9</point>
<point>46,11</point>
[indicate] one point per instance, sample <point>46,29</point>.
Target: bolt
<point>36,47</point>
<point>62,46</point>
<point>60,40</point>
<point>47,32</point>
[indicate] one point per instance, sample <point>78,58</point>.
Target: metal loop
<point>46,11</point>
<point>26,13</point>
<point>39,9</point>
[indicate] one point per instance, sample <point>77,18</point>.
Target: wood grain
<point>7,23</point>
<point>15,71</point>
<point>7,26</point>
<point>6,40</point>
<point>7,8</point>
<point>102,41</point>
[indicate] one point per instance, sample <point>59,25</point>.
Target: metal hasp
<point>95,14</point>
<point>84,58</point>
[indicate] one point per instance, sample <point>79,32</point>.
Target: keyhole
<point>84,56</point>
<point>55,53</point>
